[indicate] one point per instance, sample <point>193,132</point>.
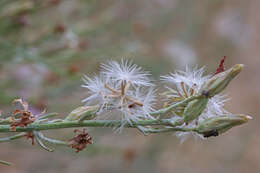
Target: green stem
<point>20,135</point>
<point>182,103</point>
<point>170,129</point>
<point>52,141</point>
<point>158,112</point>
<point>5,163</point>
<point>5,121</point>
<point>92,123</point>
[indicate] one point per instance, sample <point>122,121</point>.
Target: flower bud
<point>194,109</point>
<point>217,125</point>
<point>220,81</point>
<point>83,113</point>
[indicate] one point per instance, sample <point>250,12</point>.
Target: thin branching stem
<point>5,163</point>
<point>168,129</point>
<point>178,104</point>
<point>10,138</point>
<point>5,121</point>
<point>93,123</point>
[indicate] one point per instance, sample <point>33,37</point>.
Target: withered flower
<point>26,116</point>
<point>80,141</point>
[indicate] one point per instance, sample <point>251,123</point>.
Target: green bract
<point>217,125</point>
<point>194,109</point>
<point>220,81</point>
<point>83,113</point>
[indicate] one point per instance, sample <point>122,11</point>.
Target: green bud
<point>217,125</point>
<point>83,113</point>
<point>220,81</point>
<point>194,109</point>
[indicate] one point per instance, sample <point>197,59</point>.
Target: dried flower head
<point>81,140</point>
<point>26,116</point>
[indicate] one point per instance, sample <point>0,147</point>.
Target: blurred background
<point>46,47</point>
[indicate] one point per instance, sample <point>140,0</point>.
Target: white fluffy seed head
<point>126,71</point>
<point>193,79</point>
<point>185,135</point>
<point>121,88</point>
<point>147,98</point>
<point>130,110</point>
<point>96,90</point>
<point>190,77</point>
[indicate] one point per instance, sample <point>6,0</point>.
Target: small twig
<point>5,163</point>
<point>49,115</point>
<point>52,141</point>
<point>168,129</point>
<point>178,104</point>
<point>10,138</point>
<point>39,141</point>
<point>6,121</point>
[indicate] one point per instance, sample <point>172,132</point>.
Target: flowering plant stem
<point>95,123</point>
<point>189,104</point>
<point>40,126</point>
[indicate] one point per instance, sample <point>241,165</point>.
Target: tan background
<point>45,47</point>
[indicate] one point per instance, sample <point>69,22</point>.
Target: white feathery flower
<point>188,83</point>
<point>126,71</point>
<point>137,107</point>
<point>192,78</point>
<point>122,88</point>
<point>134,105</point>
<point>215,107</point>
<point>185,135</point>
<point>147,98</point>
<point>96,89</point>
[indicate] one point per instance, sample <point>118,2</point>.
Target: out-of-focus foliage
<point>47,46</point>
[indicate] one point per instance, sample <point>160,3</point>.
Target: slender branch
<point>92,123</point>
<point>6,120</point>
<point>39,141</point>
<point>178,104</point>
<point>168,129</point>
<point>158,112</point>
<point>40,126</point>
<point>49,115</point>
<point>50,140</point>
<point>10,138</point>
<point>5,163</point>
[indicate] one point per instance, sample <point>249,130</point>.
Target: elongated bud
<point>217,125</point>
<point>194,109</point>
<point>220,81</point>
<point>83,113</point>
